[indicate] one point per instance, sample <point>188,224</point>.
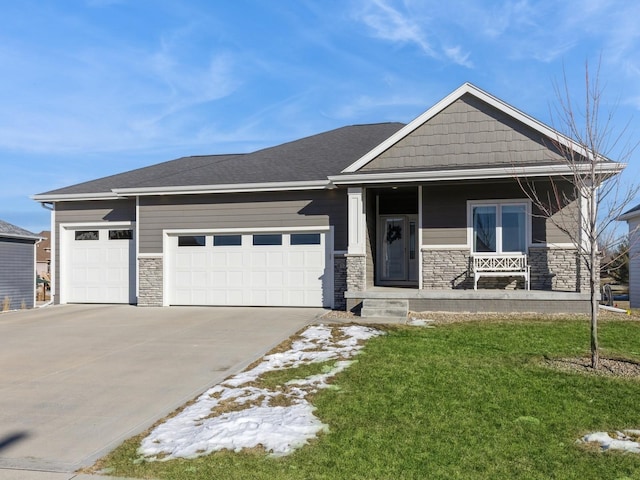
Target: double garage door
<point>258,269</point>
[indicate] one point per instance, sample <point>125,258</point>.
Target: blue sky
<point>89,88</point>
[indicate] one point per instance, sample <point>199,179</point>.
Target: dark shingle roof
<point>9,230</point>
<point>310,158</point>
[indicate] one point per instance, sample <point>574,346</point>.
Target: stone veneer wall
<point>554,268</point>
<point>551,269</point>
<point>339,282</point>
<point>356,273</point>
<point>150,289</point>
<point>446,269</point>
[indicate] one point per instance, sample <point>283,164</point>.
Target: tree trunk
<point>594,278</point>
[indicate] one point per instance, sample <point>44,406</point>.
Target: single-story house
<point>17,267</point>
<point>433,211</point>
<point>632,217</point>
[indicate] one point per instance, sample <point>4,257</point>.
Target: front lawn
<point>467,400</point>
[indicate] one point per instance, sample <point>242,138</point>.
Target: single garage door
<point>98,266</point>
<point>253,269</point>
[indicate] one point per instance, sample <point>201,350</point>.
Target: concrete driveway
<point>77,380</point>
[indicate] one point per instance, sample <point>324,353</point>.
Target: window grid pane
<point>227,240</point>
<point>120,234</point>
<point>191,241</point>
<point>305,239</point>
<point>86,235</point>
<point>269,239</point>
<point>513,228</point>
<point>484,229</point>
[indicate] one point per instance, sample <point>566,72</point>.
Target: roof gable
<point>467,128</point>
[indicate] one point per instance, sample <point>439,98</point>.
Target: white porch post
<point>357,251</point>
<point>357,222</point>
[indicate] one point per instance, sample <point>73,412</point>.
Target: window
<point>120,234</point>
<point>86,235</point>
<point>499,227</point>
<point>305,239</point>
<point>269,239</point>
<point>191,240</point>
<point>227,240</point>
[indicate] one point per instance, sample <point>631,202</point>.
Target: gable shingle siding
<point>469,133</point>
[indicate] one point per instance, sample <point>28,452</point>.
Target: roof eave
<point>226,188</point>
<point>18,236</point>
<point>64,197</point>
<point>608,168</point>
<point>629,215</point>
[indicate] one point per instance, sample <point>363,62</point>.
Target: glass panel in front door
<point>394,259</point>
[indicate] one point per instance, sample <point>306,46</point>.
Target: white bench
<point>511,265</point>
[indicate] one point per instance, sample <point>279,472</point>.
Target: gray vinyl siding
<point>90,211</point>
<point>468,133</point>
<point>444,212</point>
<point>242,210</point>
<point>17,272</point>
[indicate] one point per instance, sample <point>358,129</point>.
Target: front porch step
<point>385,308</point>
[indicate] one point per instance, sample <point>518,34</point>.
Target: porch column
<point>356,253</point>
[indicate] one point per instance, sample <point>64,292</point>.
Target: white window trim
<point>499,203</point>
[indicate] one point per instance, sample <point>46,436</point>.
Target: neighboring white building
<point>632,217</point>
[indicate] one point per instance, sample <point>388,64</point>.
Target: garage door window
<point>305,239</point>
<point>227,240</point>
<point>120,234</point>
<point>191,241</point>
<point>86,235</point>
<point>267,239</point>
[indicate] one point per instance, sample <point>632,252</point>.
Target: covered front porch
<point>429,244</point>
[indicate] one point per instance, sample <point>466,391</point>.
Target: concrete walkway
<point>77,380</point>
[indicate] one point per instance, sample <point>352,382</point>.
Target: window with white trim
<point>499,226</point>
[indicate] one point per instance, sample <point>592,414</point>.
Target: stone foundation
<point>356,273</point>
<point>339,282</point>
<point>150,272</point>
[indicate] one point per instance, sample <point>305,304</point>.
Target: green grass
<point>462,401</point>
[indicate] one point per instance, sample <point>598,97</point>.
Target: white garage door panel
<point>98,271</point>
<point>247,274</point>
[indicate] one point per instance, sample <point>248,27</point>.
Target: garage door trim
<point>169,233</point>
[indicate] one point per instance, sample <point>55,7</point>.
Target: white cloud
<point>458,56</point>
<point>388,22</point>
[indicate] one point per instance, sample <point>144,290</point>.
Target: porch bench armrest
<point>500,266</point>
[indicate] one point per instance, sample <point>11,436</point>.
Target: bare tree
<point>586,200</point>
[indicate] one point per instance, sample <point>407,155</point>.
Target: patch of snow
<point>250,420</point>
<point>419,322</point>
<point>620,441</point>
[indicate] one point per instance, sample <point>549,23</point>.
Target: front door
<point>397,255</point>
